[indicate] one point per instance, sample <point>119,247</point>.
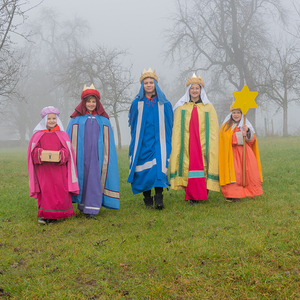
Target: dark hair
<point>89,97</point>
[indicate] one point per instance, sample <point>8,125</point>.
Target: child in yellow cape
<point>231,158</point>
<point>194,156</point>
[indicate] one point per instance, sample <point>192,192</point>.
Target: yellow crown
<point>195,79</point>
<point>88,88</point>
<point>148,74</point>
<point>231,108</point>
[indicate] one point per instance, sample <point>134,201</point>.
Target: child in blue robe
<point>150,120</point>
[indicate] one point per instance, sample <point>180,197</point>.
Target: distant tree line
<point>52,68</point>
<point>229,42</point>
<point>236,43</point>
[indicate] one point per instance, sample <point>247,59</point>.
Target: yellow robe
<point>209,137</point>
<point>226,164</point>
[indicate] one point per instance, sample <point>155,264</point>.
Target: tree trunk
<point>118,130</point>
<point>272,127</point>
<point>251,117</point>
<point>266,127</point>
<point>285,108</point>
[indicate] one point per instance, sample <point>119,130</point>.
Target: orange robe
<point>231,166</point>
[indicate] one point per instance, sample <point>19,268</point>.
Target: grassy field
<point>215,250</point>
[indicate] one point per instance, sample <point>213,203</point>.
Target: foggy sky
<point>135,25</point>
<point>138,26</point>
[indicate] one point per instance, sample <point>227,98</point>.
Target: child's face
<point>90,104</point>
<point>51,121</point>
<point>149,85</point>
<point>195,91</point>
<point>236,115</point>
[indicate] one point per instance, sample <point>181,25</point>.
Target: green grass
<point>214,250</point>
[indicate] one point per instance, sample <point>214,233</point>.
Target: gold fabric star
<point>244,99</point>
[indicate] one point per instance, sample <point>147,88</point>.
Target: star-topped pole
<point>243,101</point>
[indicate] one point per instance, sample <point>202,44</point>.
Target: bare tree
<point>60,63</point>
<point>10,71</point>
<point>106,69</point>
<point>295,32</point>
<point>229,38</point>
<point>30,95</point>
<point>58,42</point>
<point>282,78</point>
<point>116,91</point>
<point>9,10</point>
<point>11,58</point>
<point>40,81</point>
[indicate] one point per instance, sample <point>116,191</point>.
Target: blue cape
<point>162,99</point>
<point>145,174</point>
<point>108,161</point>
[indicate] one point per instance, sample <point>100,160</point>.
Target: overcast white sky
<point>136,25</point>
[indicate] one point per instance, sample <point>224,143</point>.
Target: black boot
<point>148,201</point>
<point>159,201</point>
<point>193,202</point>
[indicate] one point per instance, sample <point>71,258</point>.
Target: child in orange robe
<point>231,158</point>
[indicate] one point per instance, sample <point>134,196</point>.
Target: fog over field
<point>168,36</point>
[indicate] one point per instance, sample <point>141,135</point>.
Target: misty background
<point>50,49</point>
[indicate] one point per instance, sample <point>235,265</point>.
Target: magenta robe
<point>52,183</point>
<point>196,187</point>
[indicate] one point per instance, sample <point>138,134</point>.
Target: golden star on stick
<point>245,99</point>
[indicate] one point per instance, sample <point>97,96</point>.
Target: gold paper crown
<point>89,91</point>
<point>89,88</point>
<point>148,74</point>
<point>195,79</point>
<point>231,108</point>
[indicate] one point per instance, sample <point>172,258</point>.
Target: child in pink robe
<point>52,183</point>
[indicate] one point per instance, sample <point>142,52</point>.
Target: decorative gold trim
<point>111,194</point>
<point>106,156</point>
<point>74,140</point>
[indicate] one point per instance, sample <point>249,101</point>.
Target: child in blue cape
<point>95,153</point>
<point>150,121</point>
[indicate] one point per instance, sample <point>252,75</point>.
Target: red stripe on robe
<point>196,187</point>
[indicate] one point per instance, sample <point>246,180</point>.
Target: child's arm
<point>247,132</point>
<point>237,138</point>
<point>36,155</point>
<point>64,156</point>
